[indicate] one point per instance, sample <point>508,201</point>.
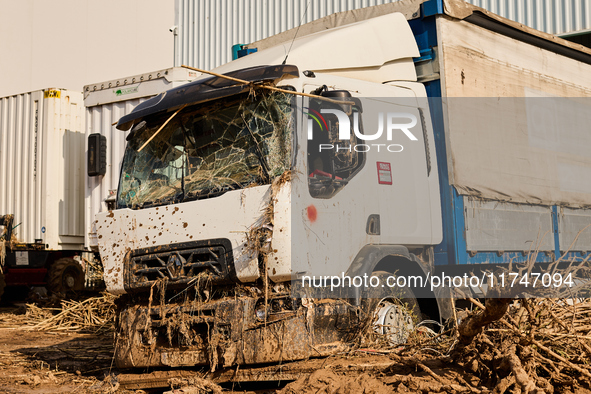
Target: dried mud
<point>51,362</point>
<point>536,347</point>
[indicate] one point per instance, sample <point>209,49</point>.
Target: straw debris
<point>96,314</point>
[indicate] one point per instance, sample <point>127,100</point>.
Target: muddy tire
<point>386,305</point>
<point>65,277</point>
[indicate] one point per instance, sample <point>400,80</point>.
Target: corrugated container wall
<point>105,103</point>
<point>550,16</point>
<point>41,166</point>
<point>207,29</point>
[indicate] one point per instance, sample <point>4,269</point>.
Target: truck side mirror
<point>97,154</point>
<point>343,95</point>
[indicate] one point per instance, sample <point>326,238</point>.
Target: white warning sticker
<point>384,173</point>
<point>22,258</point>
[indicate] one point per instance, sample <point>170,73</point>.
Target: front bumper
<point>227,333</point>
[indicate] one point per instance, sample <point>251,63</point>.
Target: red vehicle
<point>34,265</point>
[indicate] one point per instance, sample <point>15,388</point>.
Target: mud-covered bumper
<point>227,332</point>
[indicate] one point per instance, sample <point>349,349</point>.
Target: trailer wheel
<point>392,312</point>
<point>65,277</point>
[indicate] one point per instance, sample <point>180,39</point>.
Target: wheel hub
<point>393,321</point>
<point>70,281</point>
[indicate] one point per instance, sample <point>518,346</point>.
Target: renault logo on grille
<point>175,266</point>
<point>181,264</point>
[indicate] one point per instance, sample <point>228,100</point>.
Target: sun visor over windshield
<point>207,89</point>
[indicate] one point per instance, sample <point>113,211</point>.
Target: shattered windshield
<point>206,150</point>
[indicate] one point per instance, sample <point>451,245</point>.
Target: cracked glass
<point>208,149</point>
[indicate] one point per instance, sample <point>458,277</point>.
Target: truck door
<point>377,187</point>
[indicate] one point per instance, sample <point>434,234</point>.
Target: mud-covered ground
<point>50,362</point>
<point>64,360</point>
<point>68,362</point>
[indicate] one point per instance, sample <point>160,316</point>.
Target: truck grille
<point>179,264</point>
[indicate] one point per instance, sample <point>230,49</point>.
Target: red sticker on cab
<point>384,173</point>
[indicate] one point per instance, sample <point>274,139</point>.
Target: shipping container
<point>41,167</point>
<point>105,103</point>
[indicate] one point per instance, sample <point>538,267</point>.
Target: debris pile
<point>96,314</point>
<point>536,346</point>
<point>539,345</point>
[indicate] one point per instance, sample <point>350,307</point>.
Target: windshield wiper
<point>203,195</point>
<point>146,204</point>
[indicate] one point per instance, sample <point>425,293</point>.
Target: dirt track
<point>66,361</point>
<point>62,362</point>
<point>52,362</point>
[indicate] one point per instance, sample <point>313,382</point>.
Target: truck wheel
<point>392,312</point>
<point>65,277</point>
